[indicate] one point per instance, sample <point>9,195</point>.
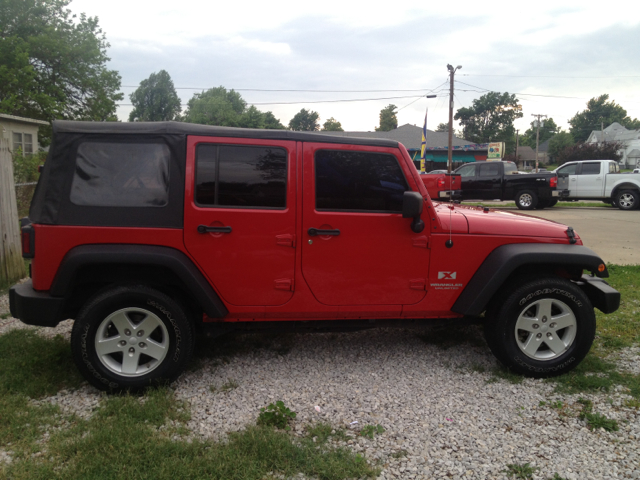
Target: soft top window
<point>121,175</point>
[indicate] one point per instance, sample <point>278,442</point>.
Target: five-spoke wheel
<point>541,327</point>
<point>130,337</point>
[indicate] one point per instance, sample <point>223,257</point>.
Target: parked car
<point>151,234</point>
<point>437,172</point>
<point>442,186</point>
<point>501,181</point>
<point>598,180</point>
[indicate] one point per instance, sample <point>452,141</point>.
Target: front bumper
<point>35,308</point>
<point>602,295</point>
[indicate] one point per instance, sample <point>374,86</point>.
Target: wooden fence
<point>11,263</point>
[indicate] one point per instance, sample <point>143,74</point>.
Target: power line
<point>546,76</point>
<point>293,90</point>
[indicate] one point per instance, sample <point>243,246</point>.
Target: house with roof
<point>20,132</point>
<point>630,139</point>
<point>437,145</point>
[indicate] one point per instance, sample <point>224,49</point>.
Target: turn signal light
<point>440,182</point>
<point>601,268</point>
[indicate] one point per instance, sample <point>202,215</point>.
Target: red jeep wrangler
<point>149,233</point>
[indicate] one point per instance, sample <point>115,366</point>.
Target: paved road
<point>611,233</point>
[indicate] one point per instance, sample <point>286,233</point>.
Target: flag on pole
<point>423,145</point>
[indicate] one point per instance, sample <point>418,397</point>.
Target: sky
<point>554,55</point>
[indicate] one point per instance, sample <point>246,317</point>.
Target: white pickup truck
<point>598,180</point>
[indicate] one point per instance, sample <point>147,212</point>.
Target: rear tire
<point>131,337</point>
<point>628,200</point>
<point>526,200</point>
<point>543,328</point>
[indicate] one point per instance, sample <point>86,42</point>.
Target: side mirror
<point>412,204</point>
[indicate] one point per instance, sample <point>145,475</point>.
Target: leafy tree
<point>332,125</point>
<point>53,64</point>
<point>305,121</point>
<point>270,121</point>
<point>599,111</point>
<point>442,127</point>
<point>219,106</point>
<point>591,151</point>
<point>559,142</point>
<point>548,129</point>
<point>388,119</point>
<point>155,100</point>
<point>490,119</point>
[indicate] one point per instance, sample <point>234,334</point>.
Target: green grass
<point>596,420</point>
<point>137,436</point>
<point>33,366</point>
<point>521,471</point>
<point>128,438</point>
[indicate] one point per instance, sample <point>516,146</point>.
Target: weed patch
<point>276,415</point>
<point>369,431</point>
<point>521,471</point>
<point>595,420</point>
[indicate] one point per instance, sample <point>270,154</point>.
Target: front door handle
<point>315,231</point>
<point>205,229</point>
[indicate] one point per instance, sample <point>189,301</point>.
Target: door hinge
<point>286,240</point>
<point>418,284</point>
<point>421,242</point>
<point>284,284</point>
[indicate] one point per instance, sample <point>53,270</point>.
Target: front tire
<point>628,200</point>
<point>526,200</point>
<point>544,328</point>
<point>131,337</point>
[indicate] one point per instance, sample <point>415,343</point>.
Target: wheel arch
<point>624,186</point>
<point>87,269</point>
<point>510,261</point>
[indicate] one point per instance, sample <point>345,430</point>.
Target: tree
<point>305,121</point>
<point>599,112</point>
<point>490,119</point>
<point>332,125</point>
<point>222,107</point>
<point>591,151</point>
<point>442,127</point>
<point>559,142</point>
<point>548,129</point>
<point>388,119</point>
<point>53,64</point>
<point>155,100</point>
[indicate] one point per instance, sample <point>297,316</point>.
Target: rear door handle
<point>315,231</point>
<point>205,229</point>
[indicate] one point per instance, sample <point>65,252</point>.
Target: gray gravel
<point>443,407</point>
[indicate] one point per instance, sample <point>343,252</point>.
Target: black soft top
<point>52,205</point>
<point>179,128</point>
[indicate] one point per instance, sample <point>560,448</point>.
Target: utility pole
<point>538,116</point>
<point>517,140</point>
<point>452,72</point>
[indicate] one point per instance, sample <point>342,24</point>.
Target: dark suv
<point>148,234</point>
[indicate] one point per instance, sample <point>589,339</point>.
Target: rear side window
<point>241,176</point>
<point>568,170</point>
<point>510,168</point>
<point>489,170</point>
<point>121,175</point>
<point>358,181</point>
<point>467,171</point>
<point>590,168</point>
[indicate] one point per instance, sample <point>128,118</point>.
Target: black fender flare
<point>504,260</point>
<point>143,255</point>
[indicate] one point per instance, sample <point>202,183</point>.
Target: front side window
<point>590,168</point>
<point>17,141</point>
<point>121,175</point>
<point>23,141</point>
<point>241,176</point>
<point>358,181</point>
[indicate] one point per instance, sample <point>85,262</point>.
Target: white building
<point>629,138</point>
<point>20,132</point>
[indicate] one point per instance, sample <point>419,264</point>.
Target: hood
<point>487,221</point>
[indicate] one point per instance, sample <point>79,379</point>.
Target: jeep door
<point>239,222</point>
<point>356,247</point>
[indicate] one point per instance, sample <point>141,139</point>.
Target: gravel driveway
<point>444,413</point>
